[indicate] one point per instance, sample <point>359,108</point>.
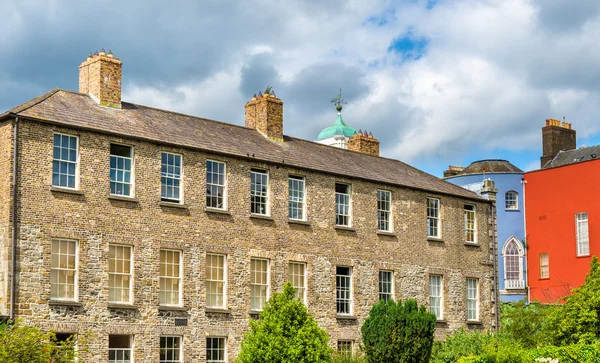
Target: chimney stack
<point>364,143</point>
<point>100,77</point>
<point>264,113</point>
<point>556,136</point>
<point>453,170</point>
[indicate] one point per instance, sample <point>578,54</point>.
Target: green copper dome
<point>338,128</point>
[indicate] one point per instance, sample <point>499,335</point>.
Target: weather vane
<point>338,101</point>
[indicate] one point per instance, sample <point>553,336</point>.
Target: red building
<point>562,214</point>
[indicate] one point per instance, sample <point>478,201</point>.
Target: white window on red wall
<point>582,232</point>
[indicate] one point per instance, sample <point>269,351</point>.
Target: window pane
<point>297,277</point>
<point>63,275</point>
<point>215,281</point>
<point>386,281</point>
<point>384,210</point>
<point>169,279</point>
<point>259,192</point>
<point>170,177</point>
<point>433,217</point>
<point>342,205</point>
<point>64,164</point>
<point>436,295</point>
<point>215,184</point>
<point>344,290</point>
<point>296,198</point>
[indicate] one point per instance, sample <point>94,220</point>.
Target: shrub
<point>526,324</point>
<point>341,358</point>
<point>578,320</point>
<point>398,333</point>
<point>578,353</point>
<point>462,344</point>
<point>27,344</point>
<point>285,332</point>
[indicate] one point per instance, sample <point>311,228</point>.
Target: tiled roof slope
<point>79,110</point>
<point>491,166</point>
<point>575,156</point>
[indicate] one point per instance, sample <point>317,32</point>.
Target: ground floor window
<point>170,349</point>
<point>345,348</point>
<point>120,348</point>
<point>216,351</point>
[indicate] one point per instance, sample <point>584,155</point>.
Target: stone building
<point>159,235</point>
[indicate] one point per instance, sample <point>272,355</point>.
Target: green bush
<point>286,333</point>
<point>526,324</point>
<point>461,344</point>
<point>27,344</point>
<point>342,358</point>
<point>578,320</point>
<point>578,353</point>
<point>398,333</point>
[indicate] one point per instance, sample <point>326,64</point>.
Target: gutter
<point>14,218</point>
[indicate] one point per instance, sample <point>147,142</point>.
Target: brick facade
<point>95,221</point>
<point>265,114</point>
<point>364,143</point>
<point>556,136</point>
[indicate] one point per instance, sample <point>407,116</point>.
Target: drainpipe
<point>14,218</point>
<point>524,182</point>
<point>496,285</point>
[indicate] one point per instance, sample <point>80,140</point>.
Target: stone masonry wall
<point>6,144</point>
<point>96,221</point>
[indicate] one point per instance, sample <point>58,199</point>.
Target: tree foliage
<point>526,323</point>
<point>578,320</point>
<point>286,333</point>
<point>27,344</point>
<point>398,333</point>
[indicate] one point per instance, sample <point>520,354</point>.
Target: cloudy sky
<point>437,82</point>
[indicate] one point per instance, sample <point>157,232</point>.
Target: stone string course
<point>96,221</point>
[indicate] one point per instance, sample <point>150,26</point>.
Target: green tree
<point>578,320</point>
<point>526,324</point>
<point>286,333</point>
<point>27,344</point>
<point>398,333</point>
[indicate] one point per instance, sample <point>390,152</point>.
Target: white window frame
<point>257,194</point>
<point>266,285</point>
<point>59,269</point>
<point>384,212</point>
<point>390,284</point>
<point>172,177</point>
<point>179,278</point>
<point>117,350</point>
<point>340,289</point>
<point>436,295</point>
<point>179,349</point>
<point>474,282</point>
<point>582,234</point>
<point>292,273</point>
<point>60,160</point>
<point>298,198</point>
<point>514,202</point>
<point>546,265</point>
<point>434,217</point>
<point>131,172</point>
<point>341,206</point>
<point>209,280</point>
<point>130,274</point>
<point>470,223</point>
<point>210,184</point>
<point>345,348</point>
<point>224,350</point>
<point>515,284</point>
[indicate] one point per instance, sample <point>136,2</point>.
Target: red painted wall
<point>552,198</point>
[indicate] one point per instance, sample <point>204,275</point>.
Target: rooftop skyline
<point>437,82</point>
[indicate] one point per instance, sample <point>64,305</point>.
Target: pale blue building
<point>512,268</point>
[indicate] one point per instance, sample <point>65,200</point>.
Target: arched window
<point>511,199</point>
<point>513,264</point>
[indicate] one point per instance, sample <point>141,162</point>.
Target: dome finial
<point>338,101</point>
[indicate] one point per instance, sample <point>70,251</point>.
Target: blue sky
<point>437,82</point>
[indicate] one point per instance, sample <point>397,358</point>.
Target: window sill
<point>255,312</point>
<point>172,205</point>
<point>386,233</point>
<point>345,317</point>
<point>123,198</point>
<point>66,190</point>
<point>172,308</point>
<point>582,256</point>
<point>217,211</point>
<point>344,228</point>
<point>122,306</point>
<point>435,239</point>
<point>474,322</point>
<point>472,244</point>
<point>441,322</point>
<point>261,216</point>
<point>217,311</point>
<point>65,303</point>
<point>298,221</point>
<point>512,210</point>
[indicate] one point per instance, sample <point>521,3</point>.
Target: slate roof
<point>80,111</point>
<point>574,156</point>
<point>491,166</point>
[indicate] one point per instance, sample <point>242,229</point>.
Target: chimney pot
<point>102,52</point>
